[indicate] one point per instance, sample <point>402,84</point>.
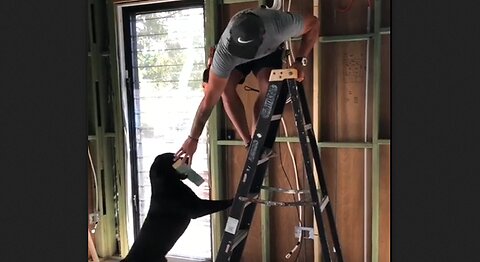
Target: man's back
<point>278,27</point>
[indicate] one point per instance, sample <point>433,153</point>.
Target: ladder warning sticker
<point>231,226</point>
<point>253,149</point>
<point>269,101</point>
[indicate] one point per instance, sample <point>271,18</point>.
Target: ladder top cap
<point>281,74</point>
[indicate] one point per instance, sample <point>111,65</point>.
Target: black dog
<point>173,205</point>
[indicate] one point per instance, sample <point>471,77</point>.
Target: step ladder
<point>282,83</point>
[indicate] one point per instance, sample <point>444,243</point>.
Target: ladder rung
<point>325,201</point>
<point>261,161</point>
<point>253,195</point>
<point>266,158</point>
<point>276,117</point>
<point>248,199</point>
<point>242,234</point>
<point>276,203</point>
<point>247,203</point>
<point>285,191</point>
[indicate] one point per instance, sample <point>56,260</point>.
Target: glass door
<point>167,51</point>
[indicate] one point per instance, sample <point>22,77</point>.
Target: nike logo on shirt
<point>239,39</point>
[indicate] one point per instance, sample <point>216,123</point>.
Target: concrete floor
<point>110,259</point>
<point>170,259</point>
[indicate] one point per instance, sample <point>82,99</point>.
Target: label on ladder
<point>253,149</point>
<point>231,226</point>
<point>269,101</point>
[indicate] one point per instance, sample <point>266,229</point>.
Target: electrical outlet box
<point>93,218</point>
<point>305,232</point>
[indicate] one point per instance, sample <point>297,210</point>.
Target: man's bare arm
<point>213,91</point>
<point>311,31</point>
<point>201,117</point>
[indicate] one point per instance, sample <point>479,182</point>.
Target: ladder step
<point>248,199</point>
<point>285,191</point>
<point>325,201</point>
<point>261,161</point>
<point>276,117</point>
<point>266,156</point>
<point>270,203</point>
<point>247,203</point>
<point>241,235</point>
<point>251,195</point>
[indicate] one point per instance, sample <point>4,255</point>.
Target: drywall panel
<point>344,98</point>
<point>384,232</point>
<point>344,17</point>
<point>228,10</point>
<point>347,171</point>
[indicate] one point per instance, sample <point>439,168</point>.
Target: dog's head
<point>162,168</point>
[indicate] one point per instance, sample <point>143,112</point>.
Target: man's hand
<point>187,150</point>
<point>311,30</point>
<point>299,67</point>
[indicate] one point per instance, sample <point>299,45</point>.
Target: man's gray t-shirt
<point>279,27</point>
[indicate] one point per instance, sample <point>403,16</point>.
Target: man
<point>251,41</point>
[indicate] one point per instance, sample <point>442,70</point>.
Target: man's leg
<point>234,107</point>
<point>261,68</point>
<point>262,77</point>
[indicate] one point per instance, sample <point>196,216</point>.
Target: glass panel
<point>170,61</point>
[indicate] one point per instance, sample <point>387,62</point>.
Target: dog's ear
<point>162,164</point>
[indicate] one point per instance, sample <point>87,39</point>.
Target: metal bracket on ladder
<point>282,85</point>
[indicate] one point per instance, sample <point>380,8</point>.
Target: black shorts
<point>273,60</point>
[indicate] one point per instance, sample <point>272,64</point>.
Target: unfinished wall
<point>105,130</point>
<point>350,150</point>
<point>346,120</point>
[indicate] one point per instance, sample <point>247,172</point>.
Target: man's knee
<point>263,76</point>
